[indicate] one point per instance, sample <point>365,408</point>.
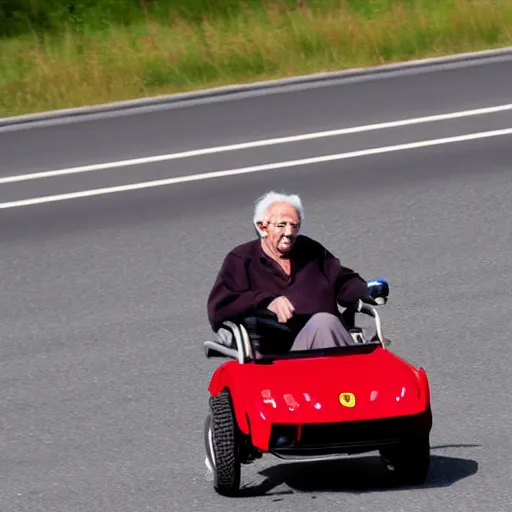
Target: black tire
<point>410,460</point>
<point>227,466</point>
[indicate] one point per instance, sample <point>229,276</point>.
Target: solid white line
<point>254,144</point>
<point>257,168</point>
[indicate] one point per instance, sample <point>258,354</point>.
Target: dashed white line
<point>253,169</point>
<point>254,144</point>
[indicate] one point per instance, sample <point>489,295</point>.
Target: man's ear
<point>262,226</point>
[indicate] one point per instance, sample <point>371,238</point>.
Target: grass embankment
<point>91,57</point>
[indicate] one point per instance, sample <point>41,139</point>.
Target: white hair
<point>267,200</point>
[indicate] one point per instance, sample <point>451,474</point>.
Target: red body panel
<point>304,391</point>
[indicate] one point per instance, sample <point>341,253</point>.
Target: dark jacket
<point>249,280</point>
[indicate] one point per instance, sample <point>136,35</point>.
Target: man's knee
<point>325,320</point>
<point>323,330</point>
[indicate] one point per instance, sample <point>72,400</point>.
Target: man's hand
<point>283,308</point>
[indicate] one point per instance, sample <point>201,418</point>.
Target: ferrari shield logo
<point>347,399</point>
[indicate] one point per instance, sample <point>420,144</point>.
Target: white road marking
<point>256,168</point>
<point>254,144</point>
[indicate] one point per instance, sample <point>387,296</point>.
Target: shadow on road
<point>356,475</point>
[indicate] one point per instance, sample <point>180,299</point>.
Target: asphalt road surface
<point>102,372</point>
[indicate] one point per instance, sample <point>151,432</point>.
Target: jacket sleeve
<point>349,285</point>
<point>231,297</point>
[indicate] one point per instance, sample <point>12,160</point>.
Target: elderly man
<point>288,274</point>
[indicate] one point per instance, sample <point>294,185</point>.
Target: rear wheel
<point>410,461</point>
<point>222,445</point>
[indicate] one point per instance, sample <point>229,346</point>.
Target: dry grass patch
<point>265,41</point>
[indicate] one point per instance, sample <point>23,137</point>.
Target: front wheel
<point>222,445</point>
<point>410,461</point>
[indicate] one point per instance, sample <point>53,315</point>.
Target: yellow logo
<point>347,399</point>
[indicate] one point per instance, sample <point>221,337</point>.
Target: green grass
<point>116,54</point>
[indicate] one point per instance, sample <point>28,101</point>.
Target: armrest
<point>231,340</point>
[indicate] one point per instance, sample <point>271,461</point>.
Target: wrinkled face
<point>281,227</point>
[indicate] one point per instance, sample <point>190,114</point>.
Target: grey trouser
<point>322,330</point>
